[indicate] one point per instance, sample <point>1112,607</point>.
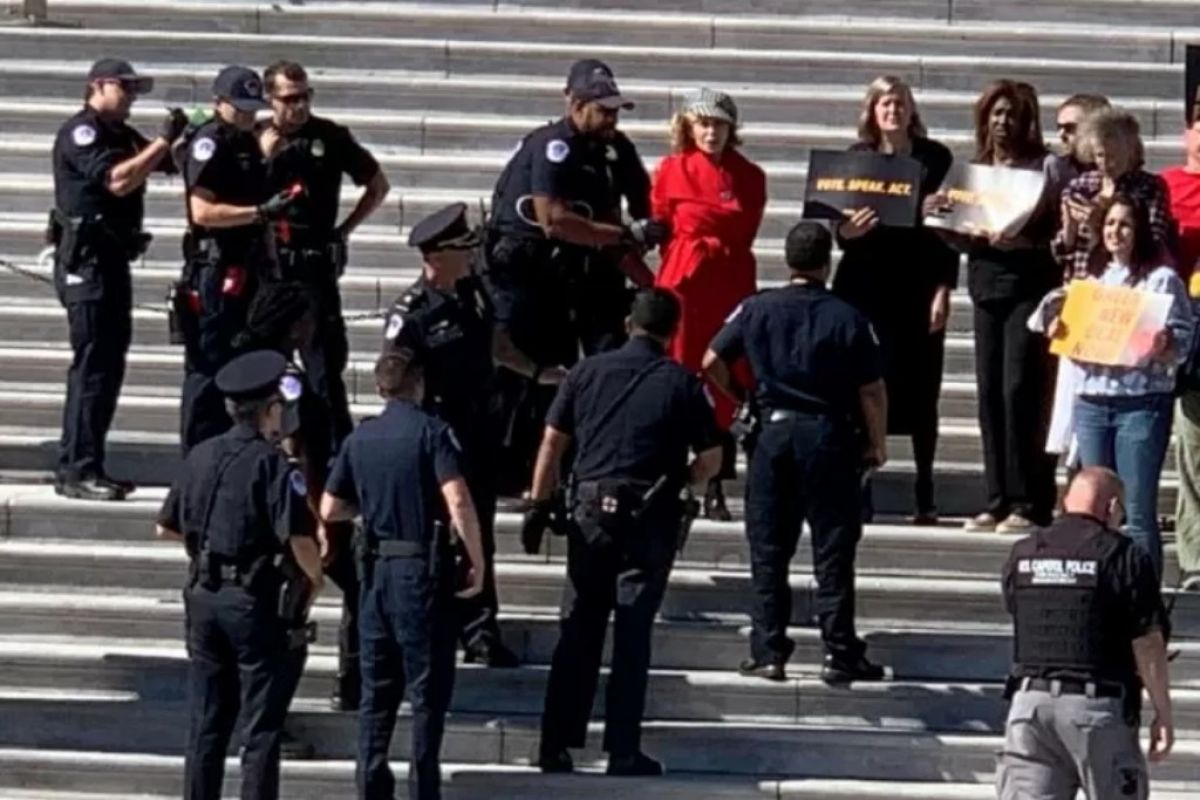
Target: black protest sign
<point>1191,84</point>
<point>843,182</point>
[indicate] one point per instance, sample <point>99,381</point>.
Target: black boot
<point>838,671</point>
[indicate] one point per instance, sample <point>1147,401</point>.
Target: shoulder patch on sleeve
<point>83,135</point>
<point>394,326</point>
<point>557,151</point>
<point>298,484</point>
<point>203,148</point>
<point>734,314</point>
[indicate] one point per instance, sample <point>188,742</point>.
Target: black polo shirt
<point>809,350</point>
<point>664,418</point>
<point>229,164</point>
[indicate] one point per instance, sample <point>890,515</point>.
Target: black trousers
<point>344,573</point>
<point>100,329</point>
<point>805,468</point>
<point>407,631</point>
<point>239,664</point>
<point>627,582</point>
<point>325,357</point>
<point>478,624</point>
<point>1015,375</point>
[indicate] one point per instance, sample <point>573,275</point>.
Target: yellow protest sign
<point>1111,325</point>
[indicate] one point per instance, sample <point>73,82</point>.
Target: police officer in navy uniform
<point>447,316</point>
<point>823,406</point>
<point>633,416</point>
<point>314,152</point>
<point>100,169</point>
<point>241,511</point>
<point>403,473</point>
<point>282,318</point>
<point>228,249</point>
<point>555,209</point>
<point>1090,631</point>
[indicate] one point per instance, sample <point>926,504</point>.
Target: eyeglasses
<point>295,99</point>
<point>1068,127</point>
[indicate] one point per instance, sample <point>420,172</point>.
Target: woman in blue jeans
<point>1123,414</point>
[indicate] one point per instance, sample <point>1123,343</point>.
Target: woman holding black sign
<point>1007,277</point>
<point>901,278</point>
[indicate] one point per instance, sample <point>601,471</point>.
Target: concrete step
<point>633,27</point>
<point>342,91</point>
<point>693,593</point>
<point>945,652</point>
<point>157,672</point>
<point>459,57</point>
<point>119,723</point>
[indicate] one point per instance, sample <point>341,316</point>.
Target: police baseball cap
<point>592,81</point>
<point>252,376</point>
<point>240,87</point>
<point>116,69</point>
<point>444,229</point>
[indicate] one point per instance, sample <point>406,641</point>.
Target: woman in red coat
<point>713,198</point>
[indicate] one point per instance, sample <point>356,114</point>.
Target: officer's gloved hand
<point>537,519</point>
<point>279,204</point>
<point>173,125</point>
<point>647,232</point>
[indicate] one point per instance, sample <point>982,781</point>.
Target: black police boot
<point>86,489</point>
<point>838,671</point>
<point>637,765</point>
<point>125,487</point>
<point>770,670</point>
<point>492,654</point>
<point>555,762</point>
<point>347,691</point>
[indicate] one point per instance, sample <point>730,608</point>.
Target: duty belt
<point>398,548</point>
<point>1056,687</point>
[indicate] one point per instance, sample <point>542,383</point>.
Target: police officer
<point>555,208</point>
<point>314,152</point>
<point>633,415</point>
<point>447,316</point>
<point>228,248</point>
<point>282,319</point>
<point>823,406</point>
<point>1089,632</point>
<point>240,509</point>
<point>100,170</point>
<point>403,473</point>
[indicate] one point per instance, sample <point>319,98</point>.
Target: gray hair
<point>1115,129</point>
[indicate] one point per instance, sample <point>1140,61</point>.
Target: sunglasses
<point>295,99</point>
<point>1068,127</point>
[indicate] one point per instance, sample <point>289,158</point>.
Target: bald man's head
<point>1097,492</point>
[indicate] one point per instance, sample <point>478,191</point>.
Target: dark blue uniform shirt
<point>316,156</point>
<point>239,494</point>
<point>86,148</point>
<point>229,164</point>
<point>393,467</point>
<point>589,175</point>
<point>650,435</point>
<point>453,331</point>
<point>809,350</point>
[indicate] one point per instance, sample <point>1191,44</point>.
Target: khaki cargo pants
<point>1055,745</point>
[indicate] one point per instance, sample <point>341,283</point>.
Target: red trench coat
<point>714,210</point>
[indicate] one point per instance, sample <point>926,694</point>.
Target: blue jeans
<point>1129,435</point>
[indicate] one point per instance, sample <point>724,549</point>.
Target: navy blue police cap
<point>252,376</point>
<point>445,229</point>
<point>592,81</point>
<point>117,69</point>
<point>241,87</point>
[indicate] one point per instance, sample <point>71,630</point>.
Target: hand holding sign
<point>858,223</point>
<point>841,185</point>
<point>1111,325</point>
<point>987,201</point>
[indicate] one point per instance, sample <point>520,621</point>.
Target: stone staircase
<point>92,666</point>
